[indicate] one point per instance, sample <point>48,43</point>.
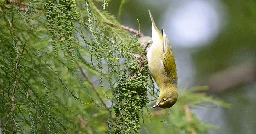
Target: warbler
<point>162,67</point>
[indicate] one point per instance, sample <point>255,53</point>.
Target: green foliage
<point>65,69</point>
<point>130,96</point>
<point>61,16</point>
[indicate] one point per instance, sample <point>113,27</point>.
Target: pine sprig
<point>65,69</point>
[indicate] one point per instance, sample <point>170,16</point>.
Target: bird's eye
<point>149,43</point>
<point>164,99</point>
<point>162,31</point>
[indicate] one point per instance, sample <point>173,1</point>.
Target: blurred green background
<point>214,44</point>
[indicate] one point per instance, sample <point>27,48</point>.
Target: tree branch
<point>233,76</point>
<point>131,30</point>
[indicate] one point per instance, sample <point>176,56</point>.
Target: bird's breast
<point>155,62</point>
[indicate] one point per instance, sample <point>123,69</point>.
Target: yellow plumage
<point>162,67</point>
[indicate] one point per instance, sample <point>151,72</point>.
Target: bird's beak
<point>156,105</point>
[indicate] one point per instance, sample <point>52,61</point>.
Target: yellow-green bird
<point>162,67</point>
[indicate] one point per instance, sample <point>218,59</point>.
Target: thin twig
<point>15,77</point>
<point>94,89</point>
<point>82,121</point>
<point>23,6</point>
<point>188,118</point>
<point>131,30</point>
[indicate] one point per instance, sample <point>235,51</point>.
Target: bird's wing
<point>169,61</point>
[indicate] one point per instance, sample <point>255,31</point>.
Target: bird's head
<point>166,99</point>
